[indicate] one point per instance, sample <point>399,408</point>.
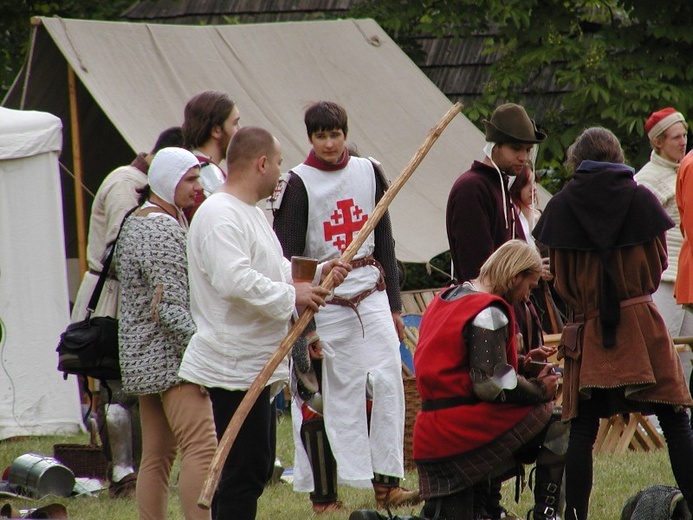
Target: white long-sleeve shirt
<point>240,294</point>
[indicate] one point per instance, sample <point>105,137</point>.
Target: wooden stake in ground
<point>210,484</point>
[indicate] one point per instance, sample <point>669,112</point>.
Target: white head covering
<point>167,169</point>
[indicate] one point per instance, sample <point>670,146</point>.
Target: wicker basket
<point>85,460</point>
<point>412,404</point>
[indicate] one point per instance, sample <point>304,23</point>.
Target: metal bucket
<point>37,476</point>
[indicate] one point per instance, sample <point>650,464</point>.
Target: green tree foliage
<point>15,27</point>
<point>614,61</point>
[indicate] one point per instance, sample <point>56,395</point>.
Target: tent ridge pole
<point>77,167</point>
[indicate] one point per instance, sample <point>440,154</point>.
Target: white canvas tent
<point>34,398</point>
<point>133,80</point>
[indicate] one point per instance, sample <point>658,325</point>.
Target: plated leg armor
<point>322,462</point>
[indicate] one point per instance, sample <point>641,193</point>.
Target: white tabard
<point>356,360</point>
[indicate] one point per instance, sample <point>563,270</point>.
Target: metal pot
<point>36,475</point>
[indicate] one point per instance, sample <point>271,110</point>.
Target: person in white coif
<point>118,414</point>
<point>153,332</point>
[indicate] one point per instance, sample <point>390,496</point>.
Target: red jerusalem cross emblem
<point>346,220</point>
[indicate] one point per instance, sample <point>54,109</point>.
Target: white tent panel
<point>34,398</point>
<point>141,75</point>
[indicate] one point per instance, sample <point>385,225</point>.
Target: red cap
<point>659,121</point>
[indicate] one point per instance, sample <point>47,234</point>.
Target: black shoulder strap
<point>94,300</point>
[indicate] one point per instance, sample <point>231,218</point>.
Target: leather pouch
<point>571,341</point>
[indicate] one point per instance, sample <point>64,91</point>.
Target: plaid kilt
<point>442,477</point>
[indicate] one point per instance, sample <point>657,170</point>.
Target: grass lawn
<point>617,477</point>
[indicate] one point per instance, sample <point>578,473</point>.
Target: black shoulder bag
<point>90,347</point>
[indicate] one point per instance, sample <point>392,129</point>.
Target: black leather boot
<point>548,473</point>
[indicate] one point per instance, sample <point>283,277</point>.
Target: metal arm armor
<point>486,337</point>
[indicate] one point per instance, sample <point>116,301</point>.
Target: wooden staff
<point>210,484</point>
